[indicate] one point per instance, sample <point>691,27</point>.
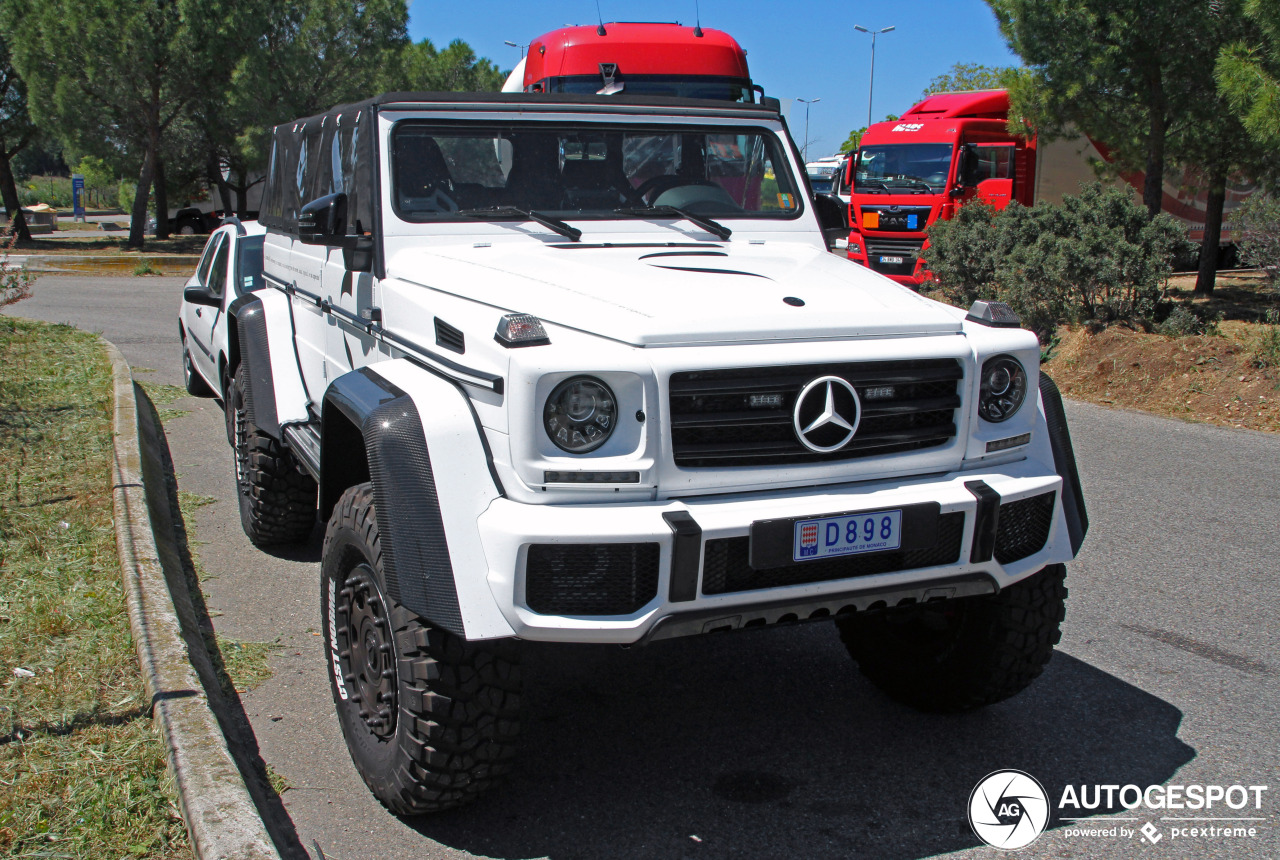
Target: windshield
<point>592,170</point>
<point>918,167</point>
<point>699,87</point>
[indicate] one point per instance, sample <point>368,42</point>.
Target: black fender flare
<point>362,409</point>
<point>1064,463</point>
<point>255,355</point>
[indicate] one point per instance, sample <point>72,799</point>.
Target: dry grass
<point>1231,378</point>
<point>82,771</point>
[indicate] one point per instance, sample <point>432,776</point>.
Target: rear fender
<point>275,395</point>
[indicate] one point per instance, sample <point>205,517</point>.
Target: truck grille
<point>727,570</point>
<point>907,249</point>
<point>743,417</point>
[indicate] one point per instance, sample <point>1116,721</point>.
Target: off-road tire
<point>430,723</point>
<point>277,500</point>
<point>962,654</point>
<point>194,382</point>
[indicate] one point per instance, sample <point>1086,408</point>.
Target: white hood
<point>658,296</point>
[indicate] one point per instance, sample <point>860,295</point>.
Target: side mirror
<point>323,221</point>
<point>833,213</point>
<point>198,295</point>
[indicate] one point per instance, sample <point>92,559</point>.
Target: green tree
<point>1212,139</point>
<point>16,132</point>
<point>111,77</point>
<point>295,58</point>
<point>965,77</point>
<point>852,141</point>
<point>1117,70</point>
<point>1248,72</point>
<point>422,68</point>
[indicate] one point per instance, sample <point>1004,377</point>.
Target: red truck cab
<point>908,173</point>
<point>639,59</point>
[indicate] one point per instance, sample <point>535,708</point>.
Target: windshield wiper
<point>573,234</point>
<point>705,223</point>
<point>863,183</point>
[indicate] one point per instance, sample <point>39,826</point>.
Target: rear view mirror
<point>200,295</point>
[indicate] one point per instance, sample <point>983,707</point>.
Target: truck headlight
<point>1003,388</point>
<point>580,414</point>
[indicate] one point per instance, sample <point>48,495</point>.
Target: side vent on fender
<point>449,337</point>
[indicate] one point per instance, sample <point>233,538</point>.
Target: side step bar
<point>818,608</point>
<point>304,441</point>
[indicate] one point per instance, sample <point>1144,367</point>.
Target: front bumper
<point>688,544</point>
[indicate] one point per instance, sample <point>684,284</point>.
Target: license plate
<point>848,534</point>
<point>891,261</point>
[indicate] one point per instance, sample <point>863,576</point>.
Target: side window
<point>995,162</point>
<point>218,271</point>
<point>249,265</point>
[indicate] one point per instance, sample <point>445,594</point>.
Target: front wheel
<point>962,654</point>
<point>430,720</point>
<point>277,500</point>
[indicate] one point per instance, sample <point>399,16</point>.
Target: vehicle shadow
<point>769,743</point>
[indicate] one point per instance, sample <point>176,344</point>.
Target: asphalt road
<point>768,744</point>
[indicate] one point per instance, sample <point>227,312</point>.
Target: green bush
<point>1187,320</point>
<point>1257,225</point>
<point>1097,257</point>
<point>126,194</point>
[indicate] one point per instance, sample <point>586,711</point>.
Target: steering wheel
<point>655,185</point>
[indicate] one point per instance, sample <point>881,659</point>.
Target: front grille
<point>726,569</point>
<point>900,219</point>
<point>907,249</point>
<point>743,417</point>
<point>591,578</point>
<point>1023,527</point>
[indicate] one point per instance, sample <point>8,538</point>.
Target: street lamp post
<point>806,103</point>
<point>871,88</point>
<point>522,48</point>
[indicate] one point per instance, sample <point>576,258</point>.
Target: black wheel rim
<point>365,652</point>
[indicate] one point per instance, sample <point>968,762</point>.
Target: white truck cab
<point>581,369</point>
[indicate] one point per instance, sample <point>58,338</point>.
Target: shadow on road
<point>746,746</point>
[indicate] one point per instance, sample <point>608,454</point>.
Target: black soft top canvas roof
<point>527,101</point>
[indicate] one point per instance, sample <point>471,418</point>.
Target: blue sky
<point>805,49</point>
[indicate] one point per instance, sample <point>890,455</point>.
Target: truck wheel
<point>962,654</point>
<point>277,500</point>
<point>194,382</point>
<point>430,720</point>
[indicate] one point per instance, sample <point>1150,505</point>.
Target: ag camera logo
<point>1008,809</point>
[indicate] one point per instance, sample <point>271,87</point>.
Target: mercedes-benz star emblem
<point>827,414</point>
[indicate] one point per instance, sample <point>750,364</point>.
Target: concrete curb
<point>220,814</point>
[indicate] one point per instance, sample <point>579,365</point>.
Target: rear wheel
<point>961,654</point>
<point>277,500</point>
<point>430,720</point>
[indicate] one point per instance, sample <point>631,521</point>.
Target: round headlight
<point>1004,388</point>
<point>580,414</point>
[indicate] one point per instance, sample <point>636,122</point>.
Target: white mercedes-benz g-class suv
<point>581,369</point>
